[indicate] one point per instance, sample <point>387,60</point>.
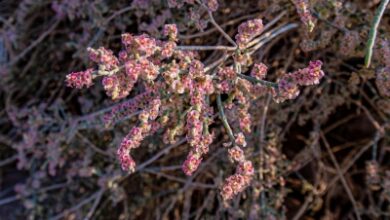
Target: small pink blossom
<point>245,120</point>
<point>170,31</point>
<point>117,86</point>
<point>227,73</point>
<point>240,139</point>
<point>236,154</point>
<point>167,49</point>
<point>245,168</point>
<point>142,45</point>
<point>149,70</point>
<point>287,89</point>
<point>212,4</point>
<point>303,10</point>
<point>127,162</point>
<point>105,58</point>
<point>247,31</point>
<point>234,185</point>
<point>310,75</point>
<point>259,71</point>
<point>154,108</point>
<point>79,80</point>
<point>127,39</point>
<point>194,127</point>
<point>192,163</point>
<point>196,69</point>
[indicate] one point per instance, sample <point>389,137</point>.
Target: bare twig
<point>224,119</point>
<point>259,81</point>
<point>206,48</point>
<point>79,205</point>
<point>303,208</point>
<point>341,176</point>
<point>8,160</point>
<point>95,205</point>
<point>35,43</point>
<point>216,25</point>
<point>42,190</point>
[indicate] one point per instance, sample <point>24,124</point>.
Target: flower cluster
<point>259,71</point>
<point>104,58</point>
<point>303,10</point>
<point>226,76</point>
<point>80,79</point>
<point>198,118</point>
<point>247,31</point>
<point>173,94</point>
<point>288,84</point>
<point>134,138</point>
<point>170,31</point>
<point>244,118</point>
<point>212,4</point>
<point>241,179</point>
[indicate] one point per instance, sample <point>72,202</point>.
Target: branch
<point>259,81</point>
<point>340,174</point>
<point>206,48</point>
<point>224,119</point>
<point>216,25</point>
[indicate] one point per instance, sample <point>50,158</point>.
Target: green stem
<point>373,32</point>
<point>224,119</point>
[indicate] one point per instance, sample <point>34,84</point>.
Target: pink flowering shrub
<point>193,109</point>
<point>171,72</point>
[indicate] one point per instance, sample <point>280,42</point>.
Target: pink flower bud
<point>191,164</point>
<point>170,31</point>
<point>79,79</point>
<point>259,71</point>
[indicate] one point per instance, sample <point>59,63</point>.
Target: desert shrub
<point>194,109</point>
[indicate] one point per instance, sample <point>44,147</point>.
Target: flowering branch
<point>175,82</point>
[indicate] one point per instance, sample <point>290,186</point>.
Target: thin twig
<point>79,205</point>
<point>373,32</point>
<point>224,119</point>
<point>159,154</point>
<point>211,30</point>
<point>259,81</point>
<point>269,36</point>
<point>216,25</point>
<point>42,190</point>
<point>8,160</point>
<point>95,205</point>
<point>35,43</point>
<point>303,208</point>
<point>89,143</point>
<point>180,180</point>
<point>340,174</point>
<point>206,48</point>
<point>345,30</point>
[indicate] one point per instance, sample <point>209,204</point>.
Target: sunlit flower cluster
<point>173,92</point>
